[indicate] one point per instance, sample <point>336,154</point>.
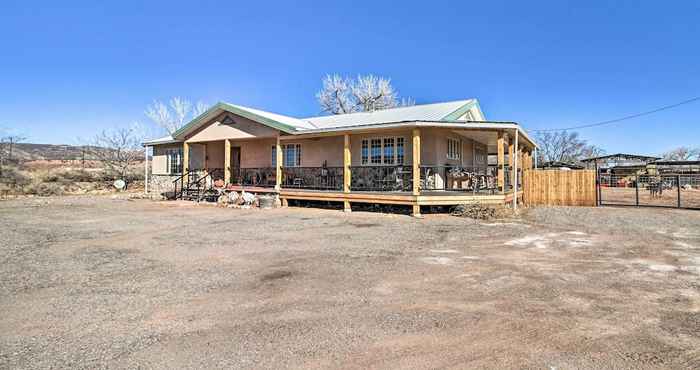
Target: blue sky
<point>70,69</point>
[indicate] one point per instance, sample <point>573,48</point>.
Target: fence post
<point>678,184</point>
<point>636,189</point>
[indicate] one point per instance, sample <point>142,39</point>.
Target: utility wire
<point>621,118</point>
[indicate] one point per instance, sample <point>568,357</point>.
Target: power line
<point>621,118</point>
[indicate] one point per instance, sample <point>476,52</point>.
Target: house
<point>557,165</point>
<point>432,154</point>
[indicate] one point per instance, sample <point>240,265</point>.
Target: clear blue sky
<point>71,68</point>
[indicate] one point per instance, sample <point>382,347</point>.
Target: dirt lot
<point>98,282</point>
<point>669,197</point>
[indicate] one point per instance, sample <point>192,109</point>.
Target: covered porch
<point>417,165</point>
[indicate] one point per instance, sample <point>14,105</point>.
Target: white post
<point>515,171</point>
<point>535,157</point>
<point>145,171</point>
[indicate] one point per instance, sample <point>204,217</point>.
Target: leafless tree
<point>564,146</point>
<point>341,95</point>
<point>682,153</point>
<point>7,148</point>
<point>118,149</point>
<point>175,114</point>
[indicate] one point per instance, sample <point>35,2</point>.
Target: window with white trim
<point>291,155</point>
<point>469,116</point>
<point>383,151</point>
<point>454,149</point>
<point>174,160</point>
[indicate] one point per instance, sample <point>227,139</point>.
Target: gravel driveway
<point>95,282</point>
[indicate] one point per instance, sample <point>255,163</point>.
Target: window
<point>454,149</point>
<point>376,153</point>
<point>174,160</point>
<point>387,150</point>
<point>273,156</point>
<point>291,155</point>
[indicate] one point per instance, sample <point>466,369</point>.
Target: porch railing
<point>258,176</point>
<point>482,179</point>
<point>321,178</point>
<point>381,178</point>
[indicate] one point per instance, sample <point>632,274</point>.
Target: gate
<point>667,190</point>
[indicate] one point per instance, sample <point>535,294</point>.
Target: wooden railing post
<point>501,161</point>
<point>347,175</point>
<point>227,161</point>
<point>416,170</point>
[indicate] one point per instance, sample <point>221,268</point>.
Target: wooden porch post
<point>227,161</point>
<point>416,170</point>
<point>278,165</point>
<point>347,160</point>
<point>515,171</point>
<point>185,157</point>
<point>511,152</point>
<point>501,161</point>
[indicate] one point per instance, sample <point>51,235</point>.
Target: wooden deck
<point>430,198</point>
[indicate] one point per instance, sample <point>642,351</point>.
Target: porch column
<point>227,161</point>
<point>278,165</point>
<point>185,157</point>
<point>511,152</point>
<point>416,170</point>
<point>501,142</point>
<point>347,175</point>
<point>145,171</point>
<point>515,172</point>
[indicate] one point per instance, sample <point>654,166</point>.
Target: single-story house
<point>432,154</point>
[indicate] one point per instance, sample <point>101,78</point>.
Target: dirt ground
<point>89,282</point>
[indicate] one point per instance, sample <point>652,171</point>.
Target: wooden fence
<point>559,188</point>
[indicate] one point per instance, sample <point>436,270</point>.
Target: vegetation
<point>564,146</point>
<point>341,95</point>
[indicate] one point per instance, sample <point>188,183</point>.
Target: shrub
<point>67,176</point>
<point>13,177</point>
<point>44,189</point>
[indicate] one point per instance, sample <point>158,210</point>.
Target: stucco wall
<point>241,128</point>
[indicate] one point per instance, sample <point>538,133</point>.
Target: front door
<point>236,165</point>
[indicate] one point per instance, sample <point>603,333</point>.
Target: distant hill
<point>33,152</point>
<point>50,152</point>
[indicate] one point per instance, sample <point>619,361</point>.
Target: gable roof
<point>425,112</point>
<point>277,121</point>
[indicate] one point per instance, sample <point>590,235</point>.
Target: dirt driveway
<point>103,283</point>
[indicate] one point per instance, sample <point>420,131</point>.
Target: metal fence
<point>667,190</point>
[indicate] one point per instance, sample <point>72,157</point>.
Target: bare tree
<point>341,95</point>
<point>175,114</point>
<point>118,149</point>
<point>682,153</point>
<point>564,146</point>
<point>7,149</point>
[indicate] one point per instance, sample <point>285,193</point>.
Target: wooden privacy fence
<point>559,188</point>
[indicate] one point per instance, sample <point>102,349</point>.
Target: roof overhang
<point>456,125</point>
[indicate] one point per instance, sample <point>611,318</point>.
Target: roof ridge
<point>391,109</point>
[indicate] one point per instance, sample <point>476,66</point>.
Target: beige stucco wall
<point>215,154</point>
<point>243,128</point>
